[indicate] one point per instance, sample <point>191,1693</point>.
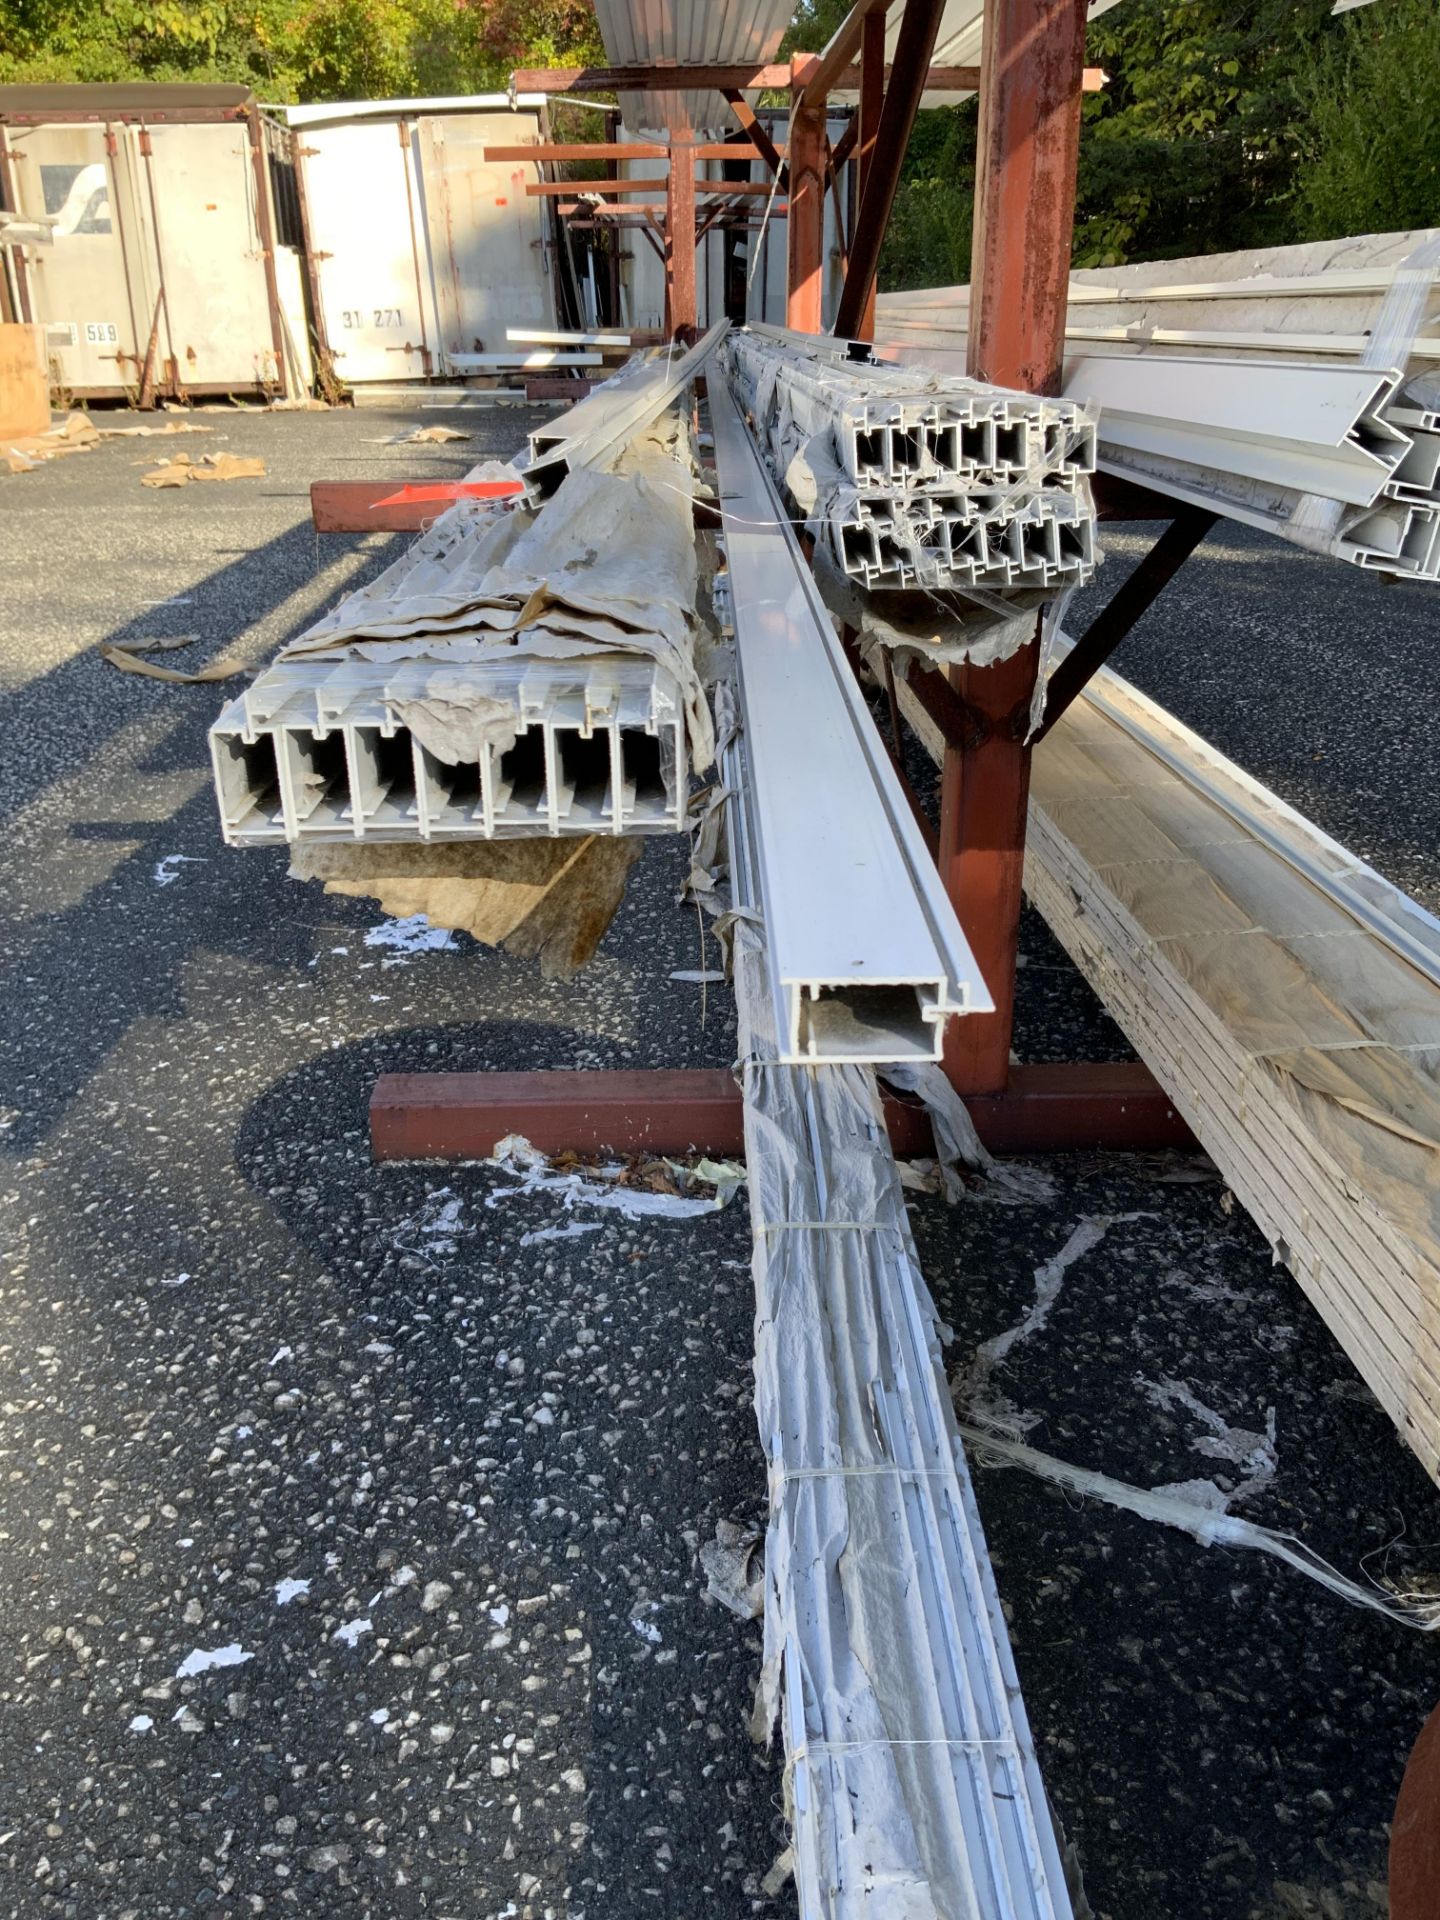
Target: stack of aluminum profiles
<point>1341,458</point>
<point>911,480</point>
<point>516,672</point>
<point>319,751</point>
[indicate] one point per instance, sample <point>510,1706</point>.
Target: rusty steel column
<point>872,99</point>
<point>1031,75</point>
<point>919,25</point>
<point>805,225</point>
<point>265,233</point>
<point>680,301</point>
<point>1031,81</point>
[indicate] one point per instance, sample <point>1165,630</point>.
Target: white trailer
<point>421,252</point>
<point>161,275</point>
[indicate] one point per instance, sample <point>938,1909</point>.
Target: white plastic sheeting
<point>911,1781</point>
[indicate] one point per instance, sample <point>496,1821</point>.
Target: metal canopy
<point>661,33</point>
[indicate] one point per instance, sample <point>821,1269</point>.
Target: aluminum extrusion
<point>916,480</point>
<point>913,1788</point>
<point>599,425</point>
<point>301,758</point>
<point>1319,429</point>
<point>868,960</point>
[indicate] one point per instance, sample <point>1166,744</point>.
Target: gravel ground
<point>349,1537</point>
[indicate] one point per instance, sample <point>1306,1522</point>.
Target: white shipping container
<point>160,272</point>
<point>419,247</point>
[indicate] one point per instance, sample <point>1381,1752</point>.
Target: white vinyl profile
<point>943,482</point>
<point>868,960</point>
<point>523,359</point>
<point>1318,429</point>
<point>601,423</point>
<point>557,337</point>
<point>912,1785</point>
<point>316,751</point>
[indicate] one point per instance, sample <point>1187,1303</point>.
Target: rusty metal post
<point>265,231</point>
<point>916,42</point>
<point>1030,94</point>
<point>9,199</point>
<point>805,221</point>
<point>680,300</point>
<point>1030,88</point>
<point>872,99</point>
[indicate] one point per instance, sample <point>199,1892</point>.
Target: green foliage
<point>1370,135</point>
<point>295,49</point>
<point>1193,144</point>
<point>1224,124</point>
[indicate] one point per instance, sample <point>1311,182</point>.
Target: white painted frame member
<point>867,958</point>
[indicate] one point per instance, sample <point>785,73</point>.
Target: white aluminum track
<point>913,1788</point>
<point>868,960</point>
<point>602,422</point>
<point>1317,429</point>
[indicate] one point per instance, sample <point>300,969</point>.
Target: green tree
<point>295,49</point>
<point>1369,132</point>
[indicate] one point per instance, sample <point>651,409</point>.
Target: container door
<point>368,239</point>
<point>487,244</point>
<point>84,287</point>
<point>198,213</point>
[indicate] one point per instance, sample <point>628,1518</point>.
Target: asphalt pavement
<point>350,1516</point>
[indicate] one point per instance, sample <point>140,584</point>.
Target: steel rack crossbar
<point>867,958</point>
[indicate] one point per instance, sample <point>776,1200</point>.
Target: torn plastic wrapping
<point>606,568</point>
<point>911,1780</point>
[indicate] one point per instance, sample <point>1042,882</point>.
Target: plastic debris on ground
<point>636,1187</point>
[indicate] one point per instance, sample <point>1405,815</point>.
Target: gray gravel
<point>445,1490</point>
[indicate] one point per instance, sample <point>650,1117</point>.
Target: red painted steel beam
<point>1059,1108</point>
<point>681,310</point>
<point>614,150</point>
<point>1130,601</point>
<point>805,229</point>
<point>1415,1831</point>
<point>918,28</point>
<point>759,134</point>
<point>776,78</point>
<point>840,50</point>
<point>557,189</point>
<point>350,506</point>
<point>872,102</point>
<point>1032,75</point>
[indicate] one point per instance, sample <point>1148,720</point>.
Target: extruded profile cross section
<point>320,751</point>
<point>914,1785</point>
<point>868,960</point>
<point>610,414</point>
<point>1319,429</point>
<point>918,480</point>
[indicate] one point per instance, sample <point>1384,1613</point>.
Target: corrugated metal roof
<point>957,44</point>
<point>639,33</point>
<point>691,32</point>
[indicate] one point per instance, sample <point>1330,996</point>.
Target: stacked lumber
<point>1296,391</point>
<point>1285,996</point>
